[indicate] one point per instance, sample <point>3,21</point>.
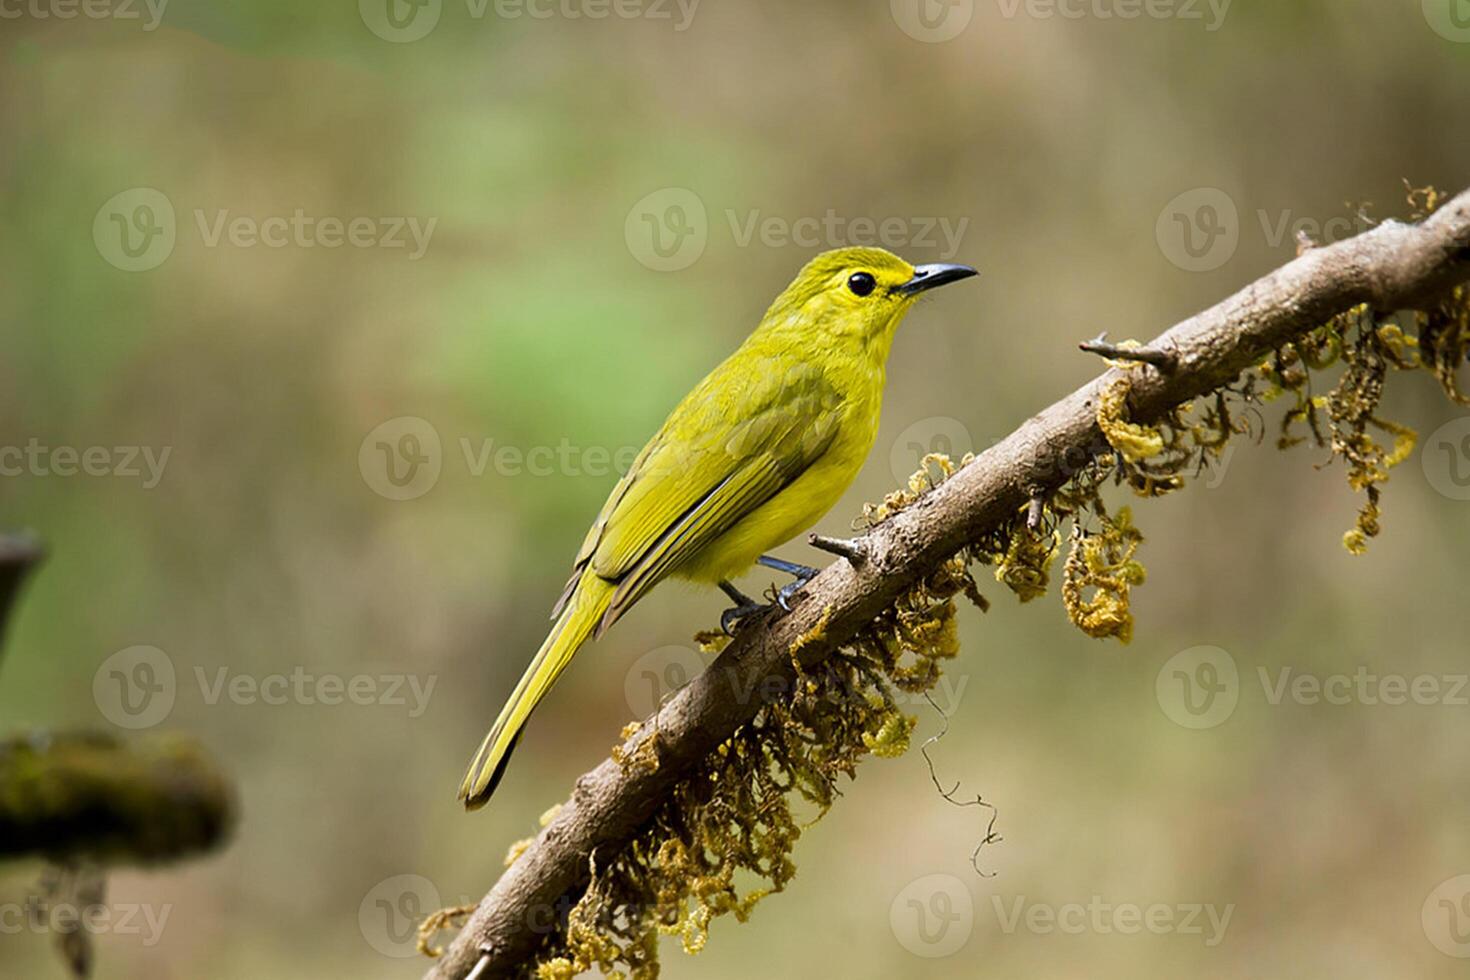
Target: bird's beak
<point>929,276</point>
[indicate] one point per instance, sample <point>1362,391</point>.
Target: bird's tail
<point>579,618</point>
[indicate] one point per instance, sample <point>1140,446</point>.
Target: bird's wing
<point>727,449</point>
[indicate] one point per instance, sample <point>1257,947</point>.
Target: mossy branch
<point>97,799</point>
<point>1394,266</point>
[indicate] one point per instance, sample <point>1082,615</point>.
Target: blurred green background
<point>1072,154</point>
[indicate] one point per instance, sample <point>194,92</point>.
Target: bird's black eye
<point>861,283</point>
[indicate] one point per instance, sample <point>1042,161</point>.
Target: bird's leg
<point>744,608</point>
<point>802,573</point>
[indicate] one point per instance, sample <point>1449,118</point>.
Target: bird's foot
<point>802,573</point>
<point>745,607</point>
<point>733,618</point>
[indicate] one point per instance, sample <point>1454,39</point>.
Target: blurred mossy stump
<point>93,797</point>
<point>85,802</point>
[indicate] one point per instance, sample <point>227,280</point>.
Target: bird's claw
<point>731,618</point>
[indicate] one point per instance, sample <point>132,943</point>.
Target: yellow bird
<point>755,454</point>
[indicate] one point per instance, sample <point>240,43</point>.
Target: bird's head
<point>858,293</point>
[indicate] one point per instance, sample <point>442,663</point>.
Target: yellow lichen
<point>451,918</point>
<point>645,753</point>
<point>1103,563</point>
<point>892,737</point>
<point>1135,442</point>
<point>1025,568</point>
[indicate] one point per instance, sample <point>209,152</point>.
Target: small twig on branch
<point>1393,266</point>
<point>1035,510</point>
<point>854,550</point>
<point>1161,359</point>
<point>482,967</point>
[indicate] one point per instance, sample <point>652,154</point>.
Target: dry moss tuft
<point>1100,571</point>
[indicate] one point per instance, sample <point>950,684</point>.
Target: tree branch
<point>1393,266</point>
